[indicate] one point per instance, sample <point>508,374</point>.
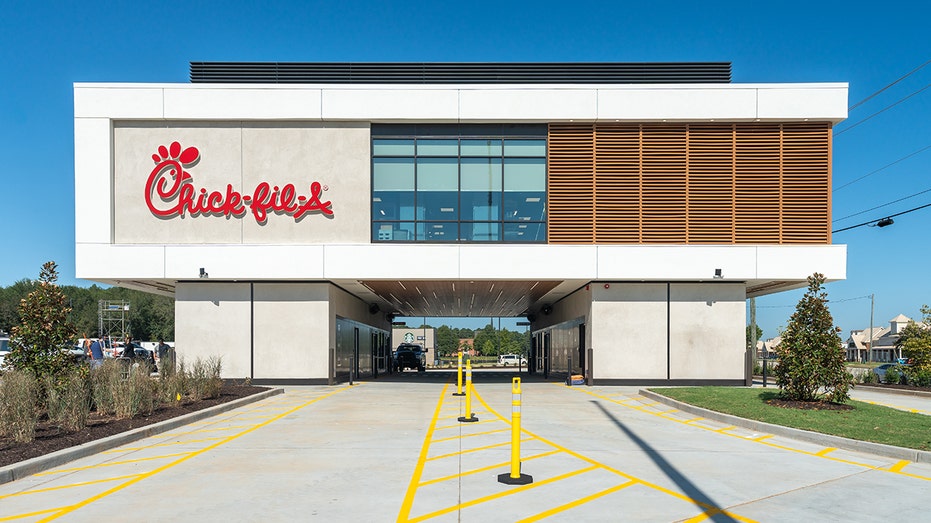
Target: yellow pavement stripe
<point>463,473</point>
<point>825,451</point>
<point>501,465</point>
<point>614,470</point>
<point>62,487</point>
<point>576,503</point>
<point>757,440</point>
<point>688,420</point>
<point>72,508</point>
<point>30,514</point>
<point>212,429</point>
<point>504,493</point>
<point>761,438</point>
<point>725,429</point>
<point>899,466</point>
<point>418,470</point>
<point>157,445</point>
<point>476,449</point>
<point>470,435</point>
<point>459,425</point>
<point>109,464</point>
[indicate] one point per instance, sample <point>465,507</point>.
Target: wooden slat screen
<point>570,179</point>
<point>702,183</point>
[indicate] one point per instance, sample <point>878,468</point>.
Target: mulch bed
<point>50,438</point>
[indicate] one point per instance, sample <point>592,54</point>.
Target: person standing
<point>96,353</point>
<point>165,354</point>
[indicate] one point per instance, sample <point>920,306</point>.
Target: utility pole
<point>753,331</point>
<point>869,351</point>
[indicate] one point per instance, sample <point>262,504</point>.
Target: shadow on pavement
<point>688,488</point>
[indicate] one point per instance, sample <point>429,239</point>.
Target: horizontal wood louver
<point>711,184</point>
<point>570,186</point>
<point>618,184</point>
<point>693,183</point>
<point>664,184</point>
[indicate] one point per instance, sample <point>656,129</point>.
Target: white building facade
<point>627,218</point>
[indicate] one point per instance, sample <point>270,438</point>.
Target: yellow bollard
<point>468,394</point>
<point>515,477</point>
<point>459,378</point>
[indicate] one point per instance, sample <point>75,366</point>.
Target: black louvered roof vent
<point>461,73</point>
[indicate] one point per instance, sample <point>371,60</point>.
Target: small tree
<point>811,357</point>
<point>915,342</point>
<point>37,343</point>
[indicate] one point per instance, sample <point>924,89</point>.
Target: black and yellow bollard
<point>470,416</point>
<point>459,378</point>
<point>515,477</point>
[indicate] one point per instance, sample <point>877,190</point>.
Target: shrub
<point>811,356</point>
<point>918,377</point>
<point>174,383</point>
<point>18,406</point>
<point>869,377</point>
<point>893,376</point>
<point>137,394</point>
<point>70,399</point>
<point>105,384</point>
<point>205,378</point>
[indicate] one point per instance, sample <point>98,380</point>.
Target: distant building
<point>766,349</point>
<point>878,343</point>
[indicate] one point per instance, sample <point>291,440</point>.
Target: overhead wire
<point>906,157</point>
<point>871,222</point>
<point>883,205</point>
<point>870,97</point>
<point>877,113</point>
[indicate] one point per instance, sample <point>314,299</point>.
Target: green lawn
<point>865,422</point>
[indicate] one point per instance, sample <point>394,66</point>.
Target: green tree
<point>811,357</point>
<point>447,340</point>
<point>37,343</point>
<point>915,341</point>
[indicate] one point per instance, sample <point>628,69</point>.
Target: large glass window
<point>459,183</point>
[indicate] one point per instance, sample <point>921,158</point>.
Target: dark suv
<point>409,356</point>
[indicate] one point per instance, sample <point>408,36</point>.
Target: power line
<point>884,109</point>
<point>925,148</point>
<point>883,205</point>
<point>886,218</point>
<point>870,97</point>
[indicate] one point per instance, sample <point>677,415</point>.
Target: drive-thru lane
<point>393,450</point>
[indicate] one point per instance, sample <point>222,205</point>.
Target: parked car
<point>881,370</point>
<point>410,356</point>
<point>4,349</point>
<point>511,359</point>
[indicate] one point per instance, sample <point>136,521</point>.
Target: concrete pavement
<point>393,450</point>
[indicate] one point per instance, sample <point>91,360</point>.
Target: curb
<point>827,440</point>
<point>41,463</point>
<point>900,392</point>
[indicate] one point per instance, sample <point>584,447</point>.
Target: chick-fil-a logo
<point>170,191</point>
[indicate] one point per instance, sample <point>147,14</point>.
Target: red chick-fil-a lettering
<point>170,191</point>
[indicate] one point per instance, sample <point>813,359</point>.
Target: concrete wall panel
<point>291,330</point>
<point>629,331</point>
<point>707,331</point>
<point>213,319</point>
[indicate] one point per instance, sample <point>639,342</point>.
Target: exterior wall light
<point>717,274</point>
<point>203,273</point>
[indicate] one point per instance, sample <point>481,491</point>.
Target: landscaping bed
<point>854,419</point>
<point>50,438</point>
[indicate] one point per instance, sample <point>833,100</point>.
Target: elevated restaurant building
<point>293,210</point>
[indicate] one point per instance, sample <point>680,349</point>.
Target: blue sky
<point>45,47</point>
